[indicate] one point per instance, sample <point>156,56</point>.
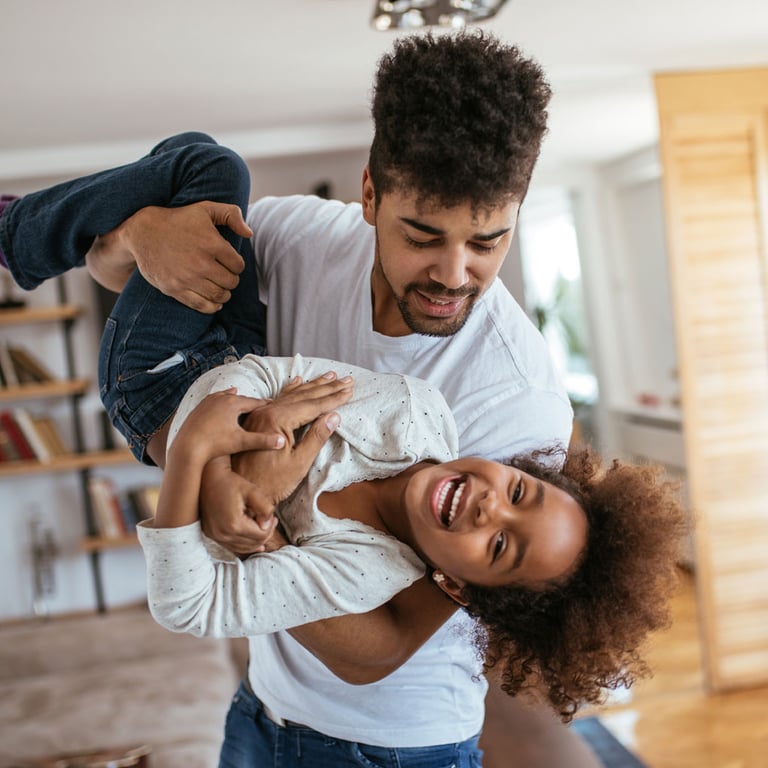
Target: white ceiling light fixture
<point>412,14</point>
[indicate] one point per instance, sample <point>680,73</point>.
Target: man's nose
<point>450,269</point>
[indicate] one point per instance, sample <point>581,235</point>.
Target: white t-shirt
<point>336,566</point>
<point>314,260</point>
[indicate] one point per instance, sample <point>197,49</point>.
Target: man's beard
<point>429,326</point>
<point>436,326</point>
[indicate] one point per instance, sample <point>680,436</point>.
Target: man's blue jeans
<point>252,739</point>
<point>153,347</point>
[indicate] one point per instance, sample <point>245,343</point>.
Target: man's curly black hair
<point>458,118</point>
<point>573,641</point>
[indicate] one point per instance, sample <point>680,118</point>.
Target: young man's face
<point>432,263</point>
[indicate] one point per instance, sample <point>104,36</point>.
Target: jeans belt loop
<point>272,716</point>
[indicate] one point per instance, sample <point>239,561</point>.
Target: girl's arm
<point>212,431</point>
<point>213,434</point>
<point>205,592</point>
<point>191,589</point>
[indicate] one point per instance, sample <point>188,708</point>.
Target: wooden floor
<point>670,721</point>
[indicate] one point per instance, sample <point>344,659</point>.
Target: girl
<point>567,571</point>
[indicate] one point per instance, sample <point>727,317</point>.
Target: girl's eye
<point>498,546</point>
<point>518,492</point>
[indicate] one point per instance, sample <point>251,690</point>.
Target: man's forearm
<point>364,648</point>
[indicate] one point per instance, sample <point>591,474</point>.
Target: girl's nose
<point>493,509</point>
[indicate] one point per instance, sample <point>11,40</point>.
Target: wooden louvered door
<point>714,148</point>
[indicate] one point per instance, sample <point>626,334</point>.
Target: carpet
<point>607,748</point>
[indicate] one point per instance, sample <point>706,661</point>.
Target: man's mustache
<point>438,289</point>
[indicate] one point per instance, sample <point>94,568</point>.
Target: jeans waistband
<point>276,719</point>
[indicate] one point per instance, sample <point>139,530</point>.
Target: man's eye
<point>518,492</point>
<point>499,546</point>
<point>418,243</point>
<point>482,248</point>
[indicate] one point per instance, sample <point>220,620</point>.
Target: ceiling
<point>294,75</point>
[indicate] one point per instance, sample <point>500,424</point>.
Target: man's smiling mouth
<point>449,499</point>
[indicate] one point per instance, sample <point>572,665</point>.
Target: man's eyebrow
<point>421,227</point>
<point>492,235</point>
<point>427,230</point>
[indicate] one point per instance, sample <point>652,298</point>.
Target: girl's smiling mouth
<point>446,499</point>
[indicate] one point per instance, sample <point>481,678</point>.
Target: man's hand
<point>178,250</point>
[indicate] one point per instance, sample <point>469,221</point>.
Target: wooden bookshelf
<point>30,315</point>
<point>70,463</point>
<point>44,389</point>
<point>64,384</point>
<point>100,543</point>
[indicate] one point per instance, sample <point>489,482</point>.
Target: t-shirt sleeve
<point>194,591</point>
<point>278,223</point>
<point>542,420</point>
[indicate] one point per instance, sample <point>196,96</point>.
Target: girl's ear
<point>451,587</point>
<point>369,198</point>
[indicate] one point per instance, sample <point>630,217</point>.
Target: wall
<point>618,210</point>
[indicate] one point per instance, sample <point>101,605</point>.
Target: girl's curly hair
<point>573,641</point>
<point>457,118</point>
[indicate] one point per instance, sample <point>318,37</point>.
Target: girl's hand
<point>213,428</point>
<point>299,404</point>
<point>238,498</point>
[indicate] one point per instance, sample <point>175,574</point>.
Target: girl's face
<point>481,522</point>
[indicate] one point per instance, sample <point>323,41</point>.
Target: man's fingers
<point>227,215</point>
<point>231,262</point>
<point>197,302</point>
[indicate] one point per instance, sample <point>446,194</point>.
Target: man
<point>405,282</point>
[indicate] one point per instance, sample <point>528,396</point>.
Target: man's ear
<point>369,198</point>
<point>451,587</point>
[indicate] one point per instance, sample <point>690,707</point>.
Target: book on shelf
<point>7,368</point>
<point>144,501</point>
<point>29,369</point>
<point>28,437</point>
<point>33,437</point>
<point>17,443</point>
<point>106,508</point>
<point>49,432</point>
<point>18,366</point>
<point>8,451</point>
<point>117,514</point>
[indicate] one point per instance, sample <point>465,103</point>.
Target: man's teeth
<point>457,490</point>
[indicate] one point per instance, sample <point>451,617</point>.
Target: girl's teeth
<point>455,503</point>
<point>458,490</point>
